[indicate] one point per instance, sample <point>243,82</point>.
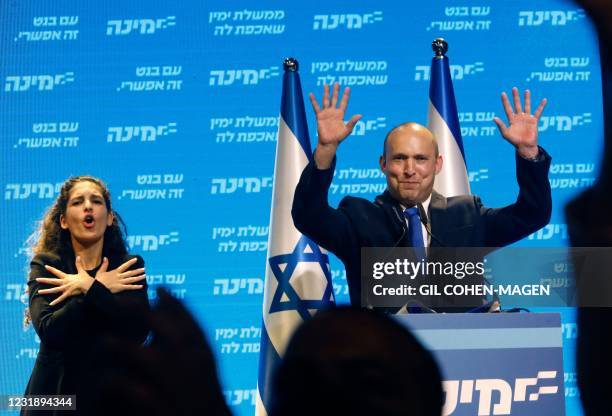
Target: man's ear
<point>439,163</point>
<point>383,163</point>
<point>63,223</point>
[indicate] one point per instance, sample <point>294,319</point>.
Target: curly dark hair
<point>52,238</point>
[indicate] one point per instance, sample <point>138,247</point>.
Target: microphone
<point>402,220</point>
<point>425,221</point>
<point>422,214</point>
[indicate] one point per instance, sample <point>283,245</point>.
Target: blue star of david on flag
<point>286,297</point>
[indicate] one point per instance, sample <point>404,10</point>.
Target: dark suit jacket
<point>71,331</point>
<point>460,221</point>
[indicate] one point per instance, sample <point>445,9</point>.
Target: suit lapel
<point>393,212</point>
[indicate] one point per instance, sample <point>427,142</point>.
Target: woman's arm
<point>59,324</point>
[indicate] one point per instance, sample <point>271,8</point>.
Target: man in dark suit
<point>410,163</point>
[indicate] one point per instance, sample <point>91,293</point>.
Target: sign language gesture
<point>523,130</point>
<point>330,124</point>
<point>119,279</point>
<point>66,284</point>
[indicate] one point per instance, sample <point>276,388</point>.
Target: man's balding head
<point>412,128</point>
<point>410,162</point>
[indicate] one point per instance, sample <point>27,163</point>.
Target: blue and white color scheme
<point>496,364</point>
<point>298,278</point>
<point>443,121</point>
<point>175,106</point>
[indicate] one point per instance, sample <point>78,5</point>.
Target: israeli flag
<point>443,121</point>
<point>298,278</point>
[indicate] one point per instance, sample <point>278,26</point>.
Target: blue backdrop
<point>175,106</point>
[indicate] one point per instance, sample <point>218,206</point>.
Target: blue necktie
<point>416,233</point>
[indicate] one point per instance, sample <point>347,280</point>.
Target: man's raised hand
<point>330,124</point>
<point>523,130</point>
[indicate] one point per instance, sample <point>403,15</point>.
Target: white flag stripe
<point>260,409</point>
<point>290,162</point>
<point>453,178</point>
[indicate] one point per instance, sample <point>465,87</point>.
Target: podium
<point>496,363</point>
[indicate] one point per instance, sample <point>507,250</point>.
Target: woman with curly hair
<point>83,288</point>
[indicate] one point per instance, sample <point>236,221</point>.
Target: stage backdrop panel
<point>175,105</point>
